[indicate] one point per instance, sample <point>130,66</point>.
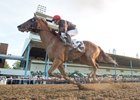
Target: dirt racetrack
<point>98,91</point>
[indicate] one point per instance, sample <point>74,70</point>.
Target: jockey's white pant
<point>70,32</point>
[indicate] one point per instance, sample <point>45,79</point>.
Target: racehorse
<point>60,53</point>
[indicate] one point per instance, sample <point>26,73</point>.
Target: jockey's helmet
<point>56,17</point>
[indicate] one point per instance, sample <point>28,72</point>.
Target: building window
<point>108,70</point>
<point>122,71</point>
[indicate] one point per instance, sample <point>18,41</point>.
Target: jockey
<point>65,28</point>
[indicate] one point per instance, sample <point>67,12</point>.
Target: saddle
<point>79,45</point>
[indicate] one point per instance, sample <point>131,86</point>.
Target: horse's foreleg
<point>55,65</point>
<point>61,69</point>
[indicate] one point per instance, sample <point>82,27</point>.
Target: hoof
<point>93,80</point>
<point>81,87</point>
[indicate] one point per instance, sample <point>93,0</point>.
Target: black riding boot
<point>68,39</point>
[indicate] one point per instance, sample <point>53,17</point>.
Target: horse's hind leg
<point>93,73</point>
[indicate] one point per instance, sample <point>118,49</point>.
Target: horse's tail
<point>105,58</point>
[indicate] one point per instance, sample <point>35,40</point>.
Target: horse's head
<point>30,25</point>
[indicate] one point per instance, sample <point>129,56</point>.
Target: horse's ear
<point>35,15</point>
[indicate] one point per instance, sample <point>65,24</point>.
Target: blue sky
<point>107,23</point>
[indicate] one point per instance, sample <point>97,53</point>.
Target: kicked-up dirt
<point>98,91</point>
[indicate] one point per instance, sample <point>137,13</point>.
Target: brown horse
<point>60,53</point>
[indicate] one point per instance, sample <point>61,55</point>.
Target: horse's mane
<point>45,22</point>
<point>50,30</point>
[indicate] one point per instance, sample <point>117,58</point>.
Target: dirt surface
<point>100,91</point>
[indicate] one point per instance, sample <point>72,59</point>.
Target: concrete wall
<point>12,72</point>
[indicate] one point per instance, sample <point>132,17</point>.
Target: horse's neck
<point>46,36</point>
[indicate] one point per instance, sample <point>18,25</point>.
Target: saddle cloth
<point>79,45</point>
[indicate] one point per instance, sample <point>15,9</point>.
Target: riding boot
<point>68,39</point>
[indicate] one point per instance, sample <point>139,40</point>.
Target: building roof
<point>125,61</point>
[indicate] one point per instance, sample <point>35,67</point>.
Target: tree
<point>16,65</point>
<point>6,65</point>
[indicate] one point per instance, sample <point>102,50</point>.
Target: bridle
<point>35,27</point>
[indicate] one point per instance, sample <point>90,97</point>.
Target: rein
<point>39,29</point>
